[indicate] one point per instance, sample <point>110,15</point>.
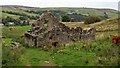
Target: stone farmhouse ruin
<point>49,29</point>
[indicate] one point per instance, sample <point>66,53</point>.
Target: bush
<point>23,17</point>
<point>92,19</point>
<point>10,19</point>
<point>10,57</point>
<point>66,19</point>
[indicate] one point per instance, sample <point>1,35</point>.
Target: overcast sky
<point>113,4</point>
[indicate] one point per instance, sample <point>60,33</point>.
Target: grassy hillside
<point>91,11</point>
<point>16,10</point>
<point>4,15</point>
<point>110,24</point>
<point>101,52</point>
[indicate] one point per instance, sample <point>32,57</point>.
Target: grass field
<point>4,15</point>
<point>66,57</point>
<point>18,10</point>
<point>110,24</point>
<point>15,33</point>
<point>101,52</point>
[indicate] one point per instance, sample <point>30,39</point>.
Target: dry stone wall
<point>49,29</point>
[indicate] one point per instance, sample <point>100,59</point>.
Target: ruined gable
<point>47,18</point>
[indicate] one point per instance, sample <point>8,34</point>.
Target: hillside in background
<point>34,11</point>
<point>24,15</point>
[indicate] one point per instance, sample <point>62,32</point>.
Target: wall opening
<point>45,23</point>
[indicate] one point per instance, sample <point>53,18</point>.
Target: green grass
<point>82,54</point>
<point>10,56</point>
<point>37,57</point>
<point>74,55</point>
<point>74,58</point>
<point>4,15</point>
<point>6,41</point>
<point>19,11</point>
<point>109,34</point>
<point>15,33</point>
<point>111,24</point>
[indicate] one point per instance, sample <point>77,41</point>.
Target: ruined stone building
<point>49,29</point>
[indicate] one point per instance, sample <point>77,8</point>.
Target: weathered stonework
<point>49,29</point>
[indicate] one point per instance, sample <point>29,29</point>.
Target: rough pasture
<point>15,32</point>
<point>100,52</point>
<point>105,25</point>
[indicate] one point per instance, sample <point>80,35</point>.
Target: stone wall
<point>55,31</point>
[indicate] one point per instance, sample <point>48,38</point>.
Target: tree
<point>23,17</point>
<point>92,19</point>
<point>6,20</point>
<point>66,19</point>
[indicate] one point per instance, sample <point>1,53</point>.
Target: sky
<point>112,4</point>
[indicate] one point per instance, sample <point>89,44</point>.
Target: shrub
<point>92,19</point>
<point>66,19</point>
<point>10,57</point>
<point>23,17</point>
